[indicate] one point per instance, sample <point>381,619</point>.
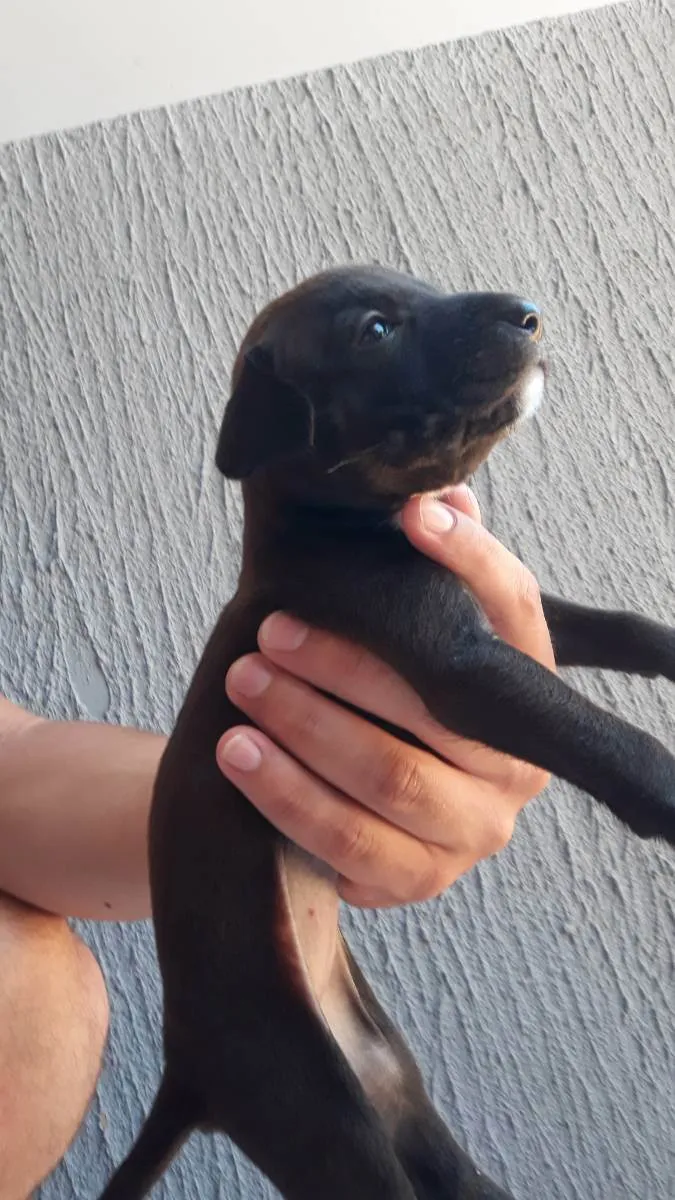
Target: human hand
<point>398,824</point>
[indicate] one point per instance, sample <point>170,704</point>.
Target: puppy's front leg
<point>617,641</point>
<point>429,630</point>
<point>496,695</point>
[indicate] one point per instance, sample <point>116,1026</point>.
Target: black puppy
<point>351,393</point>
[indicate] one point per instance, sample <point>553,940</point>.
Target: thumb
<point>504,588</point>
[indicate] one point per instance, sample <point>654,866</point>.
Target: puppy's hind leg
<point>169,1123</point>
<point>292,1105</point>
<point>436,1165</point>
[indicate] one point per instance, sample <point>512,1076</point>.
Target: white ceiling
<point>67,62</point>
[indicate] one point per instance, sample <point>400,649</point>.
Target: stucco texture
<point>538,993</point>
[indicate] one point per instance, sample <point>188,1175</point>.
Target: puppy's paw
<point>647,804</point>
<point>668,655</point>
<point>655,824</point>
<point>646,647</point>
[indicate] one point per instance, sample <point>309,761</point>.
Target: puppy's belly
<point>311,939</point>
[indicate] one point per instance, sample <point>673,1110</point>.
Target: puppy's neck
<point>270,512</point>
<point>342,520</point>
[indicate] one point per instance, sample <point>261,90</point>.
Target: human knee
<point>53,1027</point>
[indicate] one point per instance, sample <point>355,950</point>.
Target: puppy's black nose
<point>507,309</point>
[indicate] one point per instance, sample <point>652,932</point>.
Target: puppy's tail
<point>169,1123</point>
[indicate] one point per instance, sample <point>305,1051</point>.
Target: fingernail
<point>241,752</point>
<point>436,517</point>
<point>248,677</point>
<point>281,632</point>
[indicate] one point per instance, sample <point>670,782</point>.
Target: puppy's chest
<point>371,587</point>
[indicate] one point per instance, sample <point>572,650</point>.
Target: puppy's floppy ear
<point>265,420</point>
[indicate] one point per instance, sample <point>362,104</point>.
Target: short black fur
<point>332,434</point>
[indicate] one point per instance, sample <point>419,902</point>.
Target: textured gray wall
<point>539,992</point>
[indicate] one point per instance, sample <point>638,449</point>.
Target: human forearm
<point>74,801</point>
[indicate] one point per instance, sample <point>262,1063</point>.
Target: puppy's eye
<point>376,329</point>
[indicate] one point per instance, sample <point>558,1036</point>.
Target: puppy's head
<point>363,387</point>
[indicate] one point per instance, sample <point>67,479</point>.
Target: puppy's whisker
<point>345,462</point>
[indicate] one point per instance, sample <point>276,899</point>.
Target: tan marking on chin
<point>532,394</point>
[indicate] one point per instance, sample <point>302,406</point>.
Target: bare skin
<point>53,1026</point>
<point>399,824</point>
